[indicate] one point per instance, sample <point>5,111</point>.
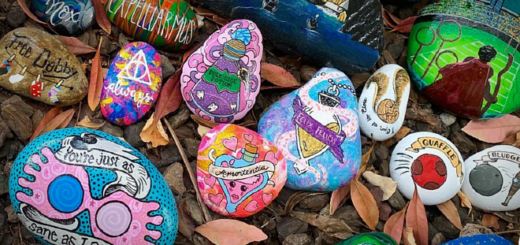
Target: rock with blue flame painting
<point>479,240</point>
<point>316,128</point>
<point>86,186</point>
<point>344,34</point>
<point>67,17</point>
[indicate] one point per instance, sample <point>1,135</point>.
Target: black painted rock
<point>345,34</point>
<point>67,17</point>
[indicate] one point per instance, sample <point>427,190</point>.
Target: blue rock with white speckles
<point>481,239</point>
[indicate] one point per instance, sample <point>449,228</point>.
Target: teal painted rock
<point>67,17</point>
<point>481,239</point>
<point>82,186</point>
<point>165,24</point>
<point>464,56</point>
<point>316,128</point>
<point>372,238</point>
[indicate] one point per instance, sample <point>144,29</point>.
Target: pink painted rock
<point>239,171</point>
<point>221,79</point>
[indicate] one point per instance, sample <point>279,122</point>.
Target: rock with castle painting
<point>132,84</point>
<point>67,17</point>
<point>165,24</point>
<point>37,65</point>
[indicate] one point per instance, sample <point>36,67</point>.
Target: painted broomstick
<point>499,80</point>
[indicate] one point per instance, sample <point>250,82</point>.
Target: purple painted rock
<point>132,84</point>
<point>221,79</point>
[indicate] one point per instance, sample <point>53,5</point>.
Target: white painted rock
<point>430,162</point>
<point>493,178</point>
<point>382,103</point>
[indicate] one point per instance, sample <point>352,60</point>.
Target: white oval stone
<point>430,162</point>
<point>382,104</point>
<point>493,178</point>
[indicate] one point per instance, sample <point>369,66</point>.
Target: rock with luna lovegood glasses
<point>316,128</point>
<point>37,65</point>
<point>82,186</point>
<point>465,56</point>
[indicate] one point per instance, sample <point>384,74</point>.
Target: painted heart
<point>270,157</point>
<point>230,143</point>
<point>251,207</point>
<point>210,181</point>
<point>267,197</point>
<point>309,145</point>
<point>216,199</point>
<point>248,137</point>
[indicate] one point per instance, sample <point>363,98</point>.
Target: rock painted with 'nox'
<point>78,185</point>
<point>132,84</point>
<point>239,172</point>
<point>67,17</point>
<point>37,65</point>
<point>165,24</point>
<point>430,162</point>
<point>382,103</point>
<point>221,79</point>
<point>493,178</point>
<point>316,128</point>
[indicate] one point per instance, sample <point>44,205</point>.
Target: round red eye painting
<point>429,171</point>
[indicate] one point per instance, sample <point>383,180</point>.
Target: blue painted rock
<point>479,240</point>
<point>493,178</point>
<point>463,55</point>
<point>383,102</point>
<point>330,33</point>
<point>371,238</point>
<point>67,17</point>
<point>316,128</point>
<point>83,185</point>
<point>165,24</point>
<point>37,65</point>
<point>132,84</point>
<point>221,79</point>
<point>430,162</point>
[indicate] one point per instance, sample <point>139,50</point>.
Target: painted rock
<point>316,128</point>
<point>479,240</point>
<point>430,162</point>
<point>493,178</point>
<point>221,79</point>
<point>329,33</point>
<point>37,65</point>
<point>463,56</point>
<point>239,172</point>
<point>67,17</point>
<point>165,24</point>
<point>88,187</point>
<point>371,238</point>
<point>132,84</point>
<point>383,102</point>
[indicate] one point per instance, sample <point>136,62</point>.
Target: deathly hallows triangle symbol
<point>136,70</point>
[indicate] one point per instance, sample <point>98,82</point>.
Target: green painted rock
<point>372,238</point>
<point>464,56</point>
<point>165,24</point>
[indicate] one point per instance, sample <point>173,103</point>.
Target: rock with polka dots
<point>429,162</point>
<point>316,128</point>
<point>239,172</point>
<point>83,185</point>
<point>480,239</point>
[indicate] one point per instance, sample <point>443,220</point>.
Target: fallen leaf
<point>76,46</point>
<point>87,123</point>
<point>395,224</point>
<point>491,221</point>
<point>406,25</point>
<point>278,75</point>
<point>230,232</point>
<point>450,211</point>
<point>295,198</point>
<point>364,203</point>
<point>101,16</point>
<point>202,130</point>
<point>170,97</point>
<point>493,130</point>
<point>211,16</point>
<point>154,133</point>
<point>96,80</point>
<point>59,121</point>
<point>203,122</point>
<point>416,219</point>
<point>365,159</point>
<point>389,19</point>
<point>403,131</point>
<point>51,114</point>
<point>337,197</point>
<point>388,185</point>
<point>248,123</point>
<point>186,223</point>
<point>464,201</point>
<point>331,226</point>
<point>28,12</point>
<point>408,238</point>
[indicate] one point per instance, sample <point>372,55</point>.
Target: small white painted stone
<point>448,119</point>
<point>382,104</point>
<point>493,178</point>
<point>430,162</point>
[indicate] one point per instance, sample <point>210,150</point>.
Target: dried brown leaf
<point>337,197</point>
<point>493,130</point>
<point>203,122</point>
<point>186,223</point>
<point>96,80</point>
<point>395,224</point>
<point>403,131</point>
<point>211,16</point>
<point>59,121</point>
<point>76,46</point>
<point>416,219</point>
<point>450,211</point>
<point>491,221</point>
<point>388,185</point>
<point>28,12</point>
<point>389,19</point>
<point>154,132</point>
<point>87,123</point>
<point>331,226</point>
<point>295,198</point>
<point>406,25</point>
<point>278,75</point>
<point>408,238</point>
<point>365,203</point>
<point>101,16</point>
<point>464,201</point>
<point>202,130</point>
<point>51,114</point>
<point>365,159</point>
<point>170,97</point>
<point>230,232</point>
